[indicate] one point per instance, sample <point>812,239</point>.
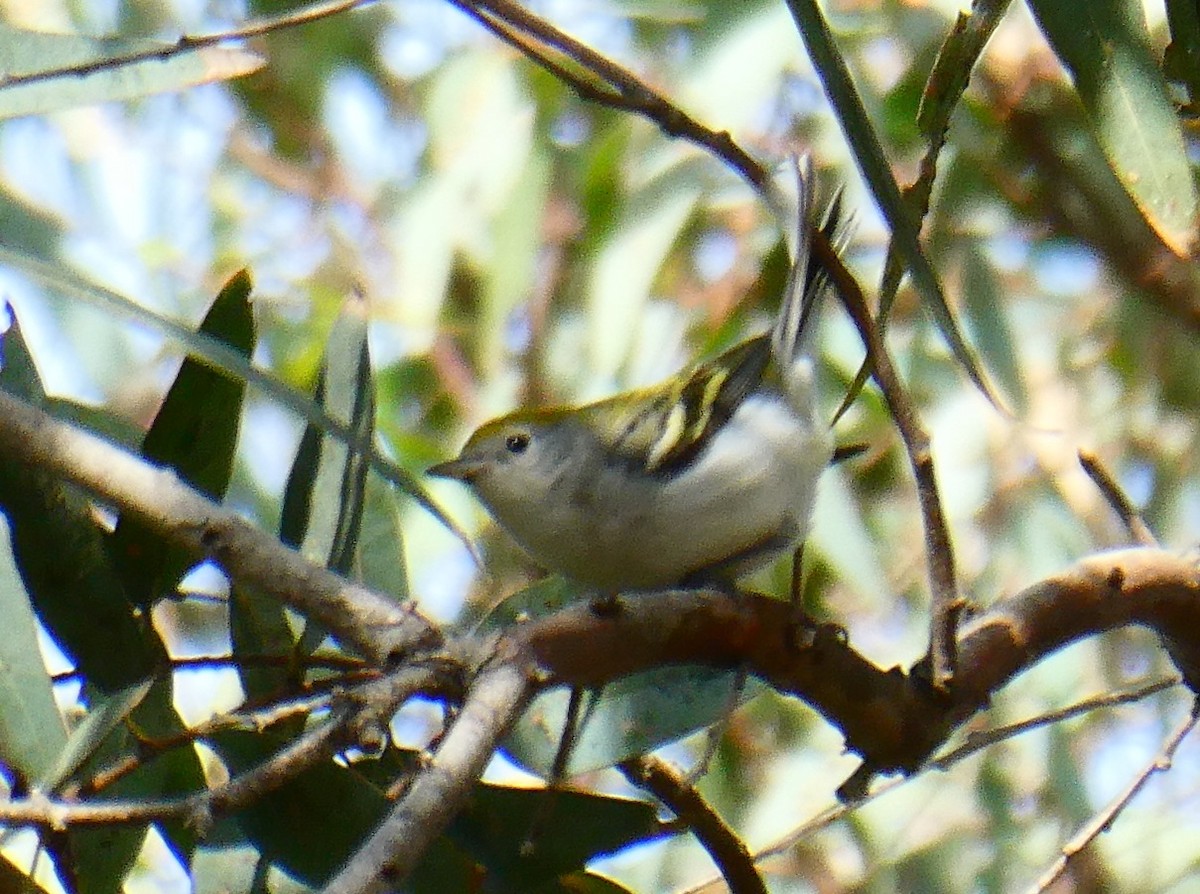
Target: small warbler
<point>696,480</point>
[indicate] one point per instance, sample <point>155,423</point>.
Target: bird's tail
<point>807,280</point>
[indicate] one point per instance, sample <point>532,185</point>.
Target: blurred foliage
<point>512,243</point>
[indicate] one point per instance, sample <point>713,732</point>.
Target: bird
<point>695,481</point>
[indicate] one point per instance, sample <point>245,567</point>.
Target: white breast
<point>754,482</point>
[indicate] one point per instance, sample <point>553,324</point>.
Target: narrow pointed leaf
<point>868,152</point>
<point>195,433</point>
<point>221,356</point>
<point>67,570</point>
<point>1106,47</point>
<point>62,558</point>
<point>331,489</point>
<point>32,731</point>
<point>84,742</point>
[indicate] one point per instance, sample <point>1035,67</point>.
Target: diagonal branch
<point>367,622</point>
<point>727,850</point>
<point>1103,820</point>
<point>495,700</point>
<point>596,78</point>
<point>1117,499</point>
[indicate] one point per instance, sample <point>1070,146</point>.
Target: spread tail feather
<point>807,281</point>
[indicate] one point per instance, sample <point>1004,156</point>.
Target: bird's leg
<point>558,770</point>
<point>804,630</point>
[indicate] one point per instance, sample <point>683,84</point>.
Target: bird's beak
<point>461,469</point>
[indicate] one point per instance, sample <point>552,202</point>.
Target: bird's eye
<point>516,443</point>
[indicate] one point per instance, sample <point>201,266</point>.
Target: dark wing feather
<point>676,421</point>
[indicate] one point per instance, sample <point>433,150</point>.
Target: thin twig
<point>822,820</point>
<point>370,703</point>
<point>529,34</point>
<point>1103,820</point>
<point>38,810</point>
<point>1116,498</point>
<point>188,43</point>
<point>558,769</point>
<point>148,749</point>
<point>220,662</point>
<point>497,696</point>
<point>947,604</point>
<point>727,850</point>
<point>977,740</point>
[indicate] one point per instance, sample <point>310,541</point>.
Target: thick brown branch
<point>893,719</point>
<point>374,625</point>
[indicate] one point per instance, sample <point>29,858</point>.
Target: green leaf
<point>1106,47</point>
<point>67,571</point>
<point>62,557</point>
<point>259,625</point>
<point>323,499</point>
<point>312,823</point>
<point>105,854</point>
<point>32,731</point>
<point>195,433</point>
<point>990,326</point>
<point>526,837</point>
<point>630,716</point>
<point>868,152</point>
<point>29,228</point>
<point>326,490</point>
<point>106,714</point>
<point>228,360</point>
<point>379,562</point>
<point>97,419</point>
<point>44,72</point>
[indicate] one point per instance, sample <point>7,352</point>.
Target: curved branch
<point>893,719</point>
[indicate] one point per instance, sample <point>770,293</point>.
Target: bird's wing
<point>670,424</point>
